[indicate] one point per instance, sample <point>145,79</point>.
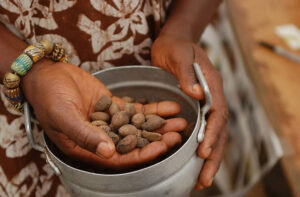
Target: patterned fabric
<point>97,34</point>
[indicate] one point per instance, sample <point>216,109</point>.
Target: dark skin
<point>62,104</point>
<point>53,89</point>
<point>175,50</point>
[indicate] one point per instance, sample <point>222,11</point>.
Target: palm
<point>64,99</point>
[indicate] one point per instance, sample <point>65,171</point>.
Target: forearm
<point>188,18</point>
<point>10,48</point>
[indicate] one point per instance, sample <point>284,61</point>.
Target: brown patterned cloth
<point>97,34</point>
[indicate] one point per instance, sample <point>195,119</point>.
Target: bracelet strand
<point>21,66</point>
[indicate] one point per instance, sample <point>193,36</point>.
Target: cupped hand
<point>63,95</point>
<point>177,57</point>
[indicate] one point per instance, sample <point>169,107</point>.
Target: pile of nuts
<point>127,129</point>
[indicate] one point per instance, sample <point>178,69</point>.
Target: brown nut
<point>129,108</point>
<point>128,129</point>
<point>119,119</point>
<point>100,116</point>
<point>114,108</point>
<point>115,138</point>
<point>127,144</point>
<point>105,128</point>
<point>138,119</point>
<point>103,103</point>
<point>141,142</point>
<point>128,99</point>
<point>98,123</point>
<point>151,136</point>
<point>112,128</point>
<point>153,122</point>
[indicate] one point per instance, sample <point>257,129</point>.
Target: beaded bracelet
<point>22,65</point>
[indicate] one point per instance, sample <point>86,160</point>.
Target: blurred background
<point>262,88</point>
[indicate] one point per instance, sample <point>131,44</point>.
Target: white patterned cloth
<point>97,34</point>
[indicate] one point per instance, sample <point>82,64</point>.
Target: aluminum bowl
<point>173,176</point>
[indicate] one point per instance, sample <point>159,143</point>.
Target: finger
<point>218,115</point>
<point>139,108</point>
<point>172,139</point>
<point>173,125</point>
<point>189,84</point>
<point>61,141</point>
<point>186,76</point>
<point>163,109</point>
<point>212,76</point>
<point>212,164</point>
<point>72,150</point>
<point>215,125</point>
<point>83,132</point>
<point>150,151</point>
<point>117,161</point>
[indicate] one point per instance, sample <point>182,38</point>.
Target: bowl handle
<point>34,145</point>
<point>208,101</point>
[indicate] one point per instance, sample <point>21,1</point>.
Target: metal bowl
<point>173,176</point>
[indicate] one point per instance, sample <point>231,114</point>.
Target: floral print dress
<point>97,34</point>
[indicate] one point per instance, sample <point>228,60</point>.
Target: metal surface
<point>160,178</point>
<point>27,121</point>
<point>208,100</point>
<point>51,163</point>
<point>36,146</point>
<point>179,184</point>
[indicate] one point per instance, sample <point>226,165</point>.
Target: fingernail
<point>197,88</point>
<point>105,149</point>
<point>199,187</point>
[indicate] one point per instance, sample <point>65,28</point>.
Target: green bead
<point>22,64</point>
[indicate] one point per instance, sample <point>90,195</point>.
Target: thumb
<point>189,83</point>
<point>85,134</point>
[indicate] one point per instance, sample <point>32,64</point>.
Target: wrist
<point>188,19</point>
<point>30,78</point>
<point>9,52</point>
<point>178,34</point>
<point>33,54</point>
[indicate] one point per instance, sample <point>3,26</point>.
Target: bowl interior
<point>137,85</point>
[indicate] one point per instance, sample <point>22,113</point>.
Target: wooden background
<point>276,79</point>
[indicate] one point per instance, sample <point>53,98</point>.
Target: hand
<point>177,56</point>
<point>63,95</point>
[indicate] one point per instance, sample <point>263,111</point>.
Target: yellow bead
<point>18,106</point>
<point>57,53</point>
<point>64,59</point>
<point>35,53</point>
<point>48,46</point>
<point>13,95</point>
<point>11,80</point>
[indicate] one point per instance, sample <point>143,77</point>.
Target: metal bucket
<point>174,176</point>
